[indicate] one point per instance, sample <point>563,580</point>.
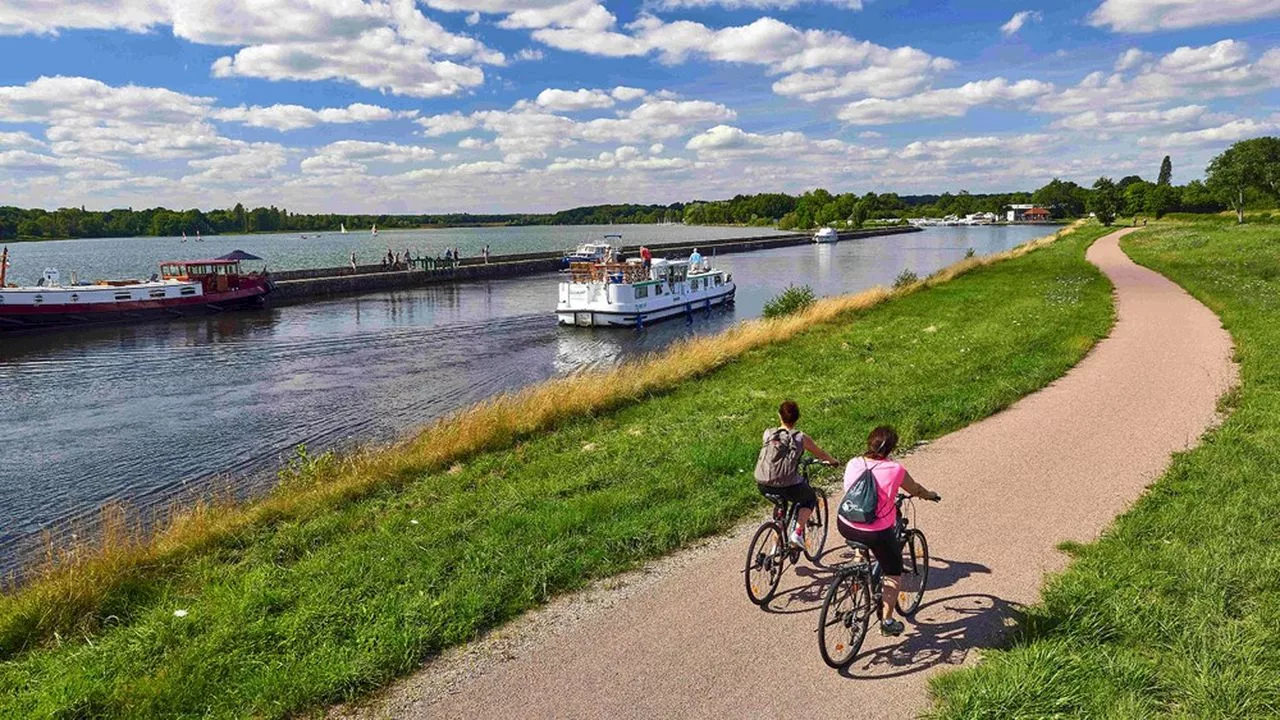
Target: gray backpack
<point>779,462</point>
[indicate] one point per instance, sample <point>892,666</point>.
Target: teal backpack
<point>861,503</point>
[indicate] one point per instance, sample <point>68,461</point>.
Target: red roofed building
<point>1035,214</point>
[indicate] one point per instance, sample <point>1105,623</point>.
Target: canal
<point>154,414</point>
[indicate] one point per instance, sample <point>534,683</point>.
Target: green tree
<point>1160,200</point>
<point>1166,172</point>
<point>1104,201</point>
<point>861,210</point>
<point>1134,198</point>
<point>1064,197</point>
<point>1249,165</point>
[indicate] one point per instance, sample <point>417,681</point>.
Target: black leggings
<point>883,543</point>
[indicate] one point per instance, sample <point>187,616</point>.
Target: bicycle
<point>770,547</point>
<point>859,587</point>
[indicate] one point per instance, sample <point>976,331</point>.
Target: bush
<point>792,300</point>
<point>968,253</point>
<point>906,278</point>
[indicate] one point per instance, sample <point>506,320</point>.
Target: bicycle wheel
<point>915,573</point>
<point>842,622</point>
<point>815,533</point>
<point>764,563</point>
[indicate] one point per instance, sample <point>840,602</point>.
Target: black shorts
<point>800,494</point>
<point>883,543</point>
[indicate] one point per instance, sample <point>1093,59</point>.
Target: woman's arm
<point>915,489</point>
<point>812,447</point>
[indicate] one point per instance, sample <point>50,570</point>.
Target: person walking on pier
<point>353,261</point>
<point>486,254</point>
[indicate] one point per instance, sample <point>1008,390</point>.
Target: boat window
<point>719,280</point>
<point>642,292</point>
<point>157,293</point>
<point>188,291</point>
<point>124,296</point>
<point>657,289</point>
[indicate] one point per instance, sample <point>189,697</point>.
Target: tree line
<point>1246,175</point>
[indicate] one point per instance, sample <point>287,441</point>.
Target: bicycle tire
<point>843,619</point>
<point>915,573</point>
<point>815,533</point>
<point>765,560</point>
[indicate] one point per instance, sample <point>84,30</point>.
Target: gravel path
<point>681,639</point>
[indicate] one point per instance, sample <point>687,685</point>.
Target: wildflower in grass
<point>179,613</point>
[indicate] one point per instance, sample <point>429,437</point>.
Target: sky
<point>424,106</point>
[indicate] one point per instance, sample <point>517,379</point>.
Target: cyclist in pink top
<point>881,534</point>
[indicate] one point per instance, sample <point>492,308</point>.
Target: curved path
<point>1068,458</point>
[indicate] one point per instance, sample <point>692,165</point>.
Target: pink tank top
<point>889,476</point>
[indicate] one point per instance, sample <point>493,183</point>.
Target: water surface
<point>144,414</point>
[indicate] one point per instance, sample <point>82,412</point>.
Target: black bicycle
<point>770,547</point>
<point>858,591</point>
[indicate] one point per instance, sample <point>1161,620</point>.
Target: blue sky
<point>511,105</point>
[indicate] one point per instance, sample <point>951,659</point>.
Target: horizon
<point>397,107</point>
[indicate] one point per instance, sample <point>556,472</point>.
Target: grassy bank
<point>1176,610</point>
<point>361,567</point>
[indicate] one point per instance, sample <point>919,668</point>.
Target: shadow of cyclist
<point>943,632</point>
<point>810,583</point>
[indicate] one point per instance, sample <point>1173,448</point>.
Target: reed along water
<point>153,414</point>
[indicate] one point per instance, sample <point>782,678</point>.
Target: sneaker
<point>891,628</point>
<point>797,539</point>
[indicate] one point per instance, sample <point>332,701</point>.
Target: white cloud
<point>944,102</point>
<point>656,149</point>
<point>252,162</point>
<point>1222,69</point>
<point>1140,16</point>
<point>473,18</point>
<point>295,117</point>
<point>24,17</point>
<point>472,143</point>
<point>366,151</point>
<point>1130,59</point>
<point>1220,135</point>
<point>437,125</point>
<point>726,138</point>
<point>753,4</point>
<point>818,64</point>
<point>573,100</point>
<point>379,44</point>
<point>1133,119</point>
<point>987,144</point>
<point>1019,20</point>
<point>622,93</point>
<point>20,141</point>
<point>529,55</point>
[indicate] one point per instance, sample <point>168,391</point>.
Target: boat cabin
<point>215,275</point>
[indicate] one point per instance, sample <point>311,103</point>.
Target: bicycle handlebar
<point>903,496</point>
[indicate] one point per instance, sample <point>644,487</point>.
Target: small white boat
<point>593,252</point>
<point>342,228</point>
<point>628,295</point>
<point>825,235</point>
<point>374,230</point>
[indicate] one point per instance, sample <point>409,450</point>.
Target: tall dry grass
<point>75,585</point>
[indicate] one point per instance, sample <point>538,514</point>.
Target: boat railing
<point>582,272</point>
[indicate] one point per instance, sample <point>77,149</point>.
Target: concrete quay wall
<point>294,286</point>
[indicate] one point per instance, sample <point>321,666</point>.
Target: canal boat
<point>825,235</point>
<point>183,287</point>
<point>593,252</point>
<point>631,295</point>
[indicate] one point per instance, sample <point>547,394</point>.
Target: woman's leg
<point>891,585</point>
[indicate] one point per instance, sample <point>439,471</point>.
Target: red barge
<point>182,288</point>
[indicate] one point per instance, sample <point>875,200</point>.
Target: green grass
<point>1176,611</point>
<point>293,615</point>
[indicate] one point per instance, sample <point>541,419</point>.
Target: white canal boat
<point>629,295</point>
<point>825,235</point>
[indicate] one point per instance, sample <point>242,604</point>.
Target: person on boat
<point>646,257</point>
<point>794,489</point>
<point>881,534</point>
<point>695,260</point>
<point>353,261</point>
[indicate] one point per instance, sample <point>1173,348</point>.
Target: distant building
<point>1027,213</point>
